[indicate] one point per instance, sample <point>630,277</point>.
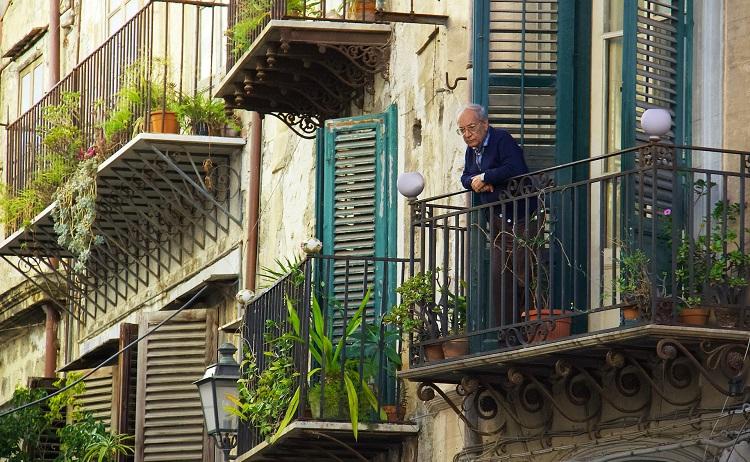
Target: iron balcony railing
<point>159,44</point>
<point>326,293</point>
<point>248,18</point>
<point>640,236</point>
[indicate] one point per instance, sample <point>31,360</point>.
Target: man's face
<point>472,128</point>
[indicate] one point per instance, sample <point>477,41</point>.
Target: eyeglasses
<point>473,128</point>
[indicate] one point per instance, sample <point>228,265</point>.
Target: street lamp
<point>217,384</point>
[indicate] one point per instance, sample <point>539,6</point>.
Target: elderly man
<point>492,158</point>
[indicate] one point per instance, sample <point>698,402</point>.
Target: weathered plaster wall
<point>287,193</point>
<point>737,75</point>
<point>21,357</point>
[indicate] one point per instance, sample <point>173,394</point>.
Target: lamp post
<point>217,384</point>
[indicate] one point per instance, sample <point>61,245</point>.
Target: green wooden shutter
<point>655,75</point>
<point>356,210</point>
<point>654,70</point>
<point>522,65</point>
<point>169,418</point>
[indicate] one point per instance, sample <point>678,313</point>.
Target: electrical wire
<point>115,355</point>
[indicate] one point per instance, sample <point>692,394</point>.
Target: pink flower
<point>667,212</point>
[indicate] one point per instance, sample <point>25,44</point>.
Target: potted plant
<point>380,347</point>
<point>634,283</point>
<point>532,241</point>
<point>361,10</point>
<point>417,314</point>
<point>199,114</point>
<point>143,86</point>
<point>711,268</point>
<point>456,345</point>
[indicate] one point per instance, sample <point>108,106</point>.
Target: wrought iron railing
<point>248,18</point>
<point>161,39</point>
<point>635,237</point>
<point>369,352</point>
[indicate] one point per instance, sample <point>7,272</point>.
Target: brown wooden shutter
<point>169,418</point>
<point>99,397</point>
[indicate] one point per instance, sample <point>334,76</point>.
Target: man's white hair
<point>478,109</point>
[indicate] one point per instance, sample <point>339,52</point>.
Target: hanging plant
<point>75,213</point>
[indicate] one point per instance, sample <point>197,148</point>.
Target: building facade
<point>331,103</point>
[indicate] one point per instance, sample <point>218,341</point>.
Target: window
<point>31,86</point>
<point>118,12</point>
<point>212,48</point>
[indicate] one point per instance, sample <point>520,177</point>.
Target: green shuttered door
<point>356,206</point>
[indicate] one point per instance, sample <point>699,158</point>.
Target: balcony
<point>591,270</point>
<point>321,326</point>
<point>306,61</point>
<point>146,202</point>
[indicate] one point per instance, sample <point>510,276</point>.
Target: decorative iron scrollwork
<point>304,125</point>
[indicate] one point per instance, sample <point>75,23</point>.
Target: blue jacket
<point>502,159</point>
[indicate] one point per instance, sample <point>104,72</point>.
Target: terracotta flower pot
<point>630,312</point>
<point>433,352</point>
<point>164,122</point>
<point>393,412</point>
<point>694,316</point>
<point>559,330</point>
<point>361,10</point>
<point>456,347</point>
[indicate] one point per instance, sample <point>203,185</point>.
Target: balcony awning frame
<point>160,198</point>
<point>304,72</point>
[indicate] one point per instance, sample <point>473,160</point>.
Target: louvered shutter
<point>356,207</point>
<point>653,77</point>
<point>522,65</point>
<point>169,421</point>
<point>100,397</point>
<point>48,446</point>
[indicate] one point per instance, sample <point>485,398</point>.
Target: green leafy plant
<point>253,13</point>
<point>336,372</point>
<point>200,113</point>
<point>634,282</point>
<point>711,266</point>
<point>76,212</point>
<point>265,395</point>
<point>21,431</point>
<point>143,85</point>
<point>62,141</point>
<point>281,268</point>
<point>417,309</point>
<point>84,438</point>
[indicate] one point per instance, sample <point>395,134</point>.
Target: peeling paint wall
<point>21,357</point>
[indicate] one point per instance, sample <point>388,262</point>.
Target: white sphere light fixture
<point>656,123</point>
<point>244,296</point>
<point>410,184</point>
<point>312,246</point>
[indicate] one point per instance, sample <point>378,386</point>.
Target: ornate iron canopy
<point>304,72</point>
<point>585,389</point>
<point>160,199</point>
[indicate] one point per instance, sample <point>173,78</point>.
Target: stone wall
<point>21,356</point>
<point>737,74</point>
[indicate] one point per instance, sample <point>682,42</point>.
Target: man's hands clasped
<point>479,186</point>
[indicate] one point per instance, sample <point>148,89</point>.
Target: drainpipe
<point>253,200</point>
<point>470,61</point>
<point>471,413</point>
<point>54,42</point>
<point>50,340</point>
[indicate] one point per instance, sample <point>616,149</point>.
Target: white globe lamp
<point>656,122</point>
<point>410,184</point>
